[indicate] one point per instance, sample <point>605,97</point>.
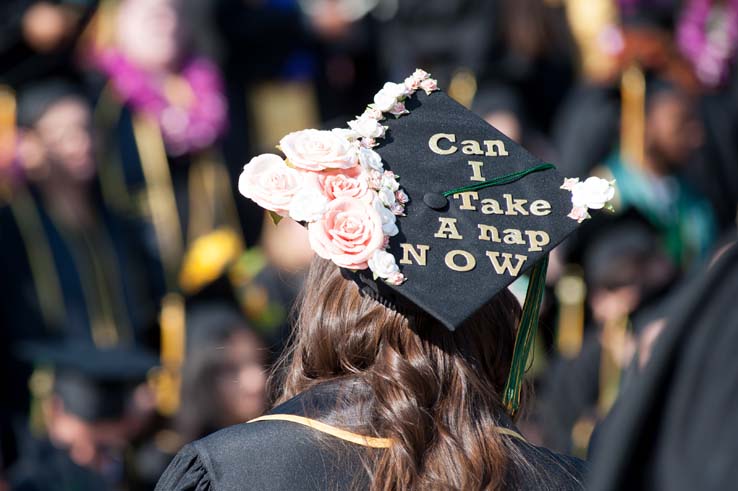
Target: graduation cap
<point>93,383</point>
<point>463,210</point>
<point>35,100</point>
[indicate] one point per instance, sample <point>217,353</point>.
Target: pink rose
<point>315,150</point>
<point>578,213</point>
<point>398,109</point>
<point>402,196</point>
<point>429,85</point>
<point>397,209</point>
<point>396,279</point>
<point>269,182</point>
<point>420,75</point>
<point>348,234</point>
<point>368,142</point>
<point>373,113</point>
<point>337,185</point>
<point>412,84</point>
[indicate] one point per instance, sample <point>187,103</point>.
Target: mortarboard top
<point>94,383</point>
<point>463,209</point>
<point>459,251</point>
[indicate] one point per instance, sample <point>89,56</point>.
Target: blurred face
<point>93,445</point>
<point>241,385</point>
<point>673,131</point>
<point>149,32</point>
<point>65,134</point>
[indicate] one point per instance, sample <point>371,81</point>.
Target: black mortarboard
<point>470,250</point>
<point>93,383</point>
<point>476,210</point>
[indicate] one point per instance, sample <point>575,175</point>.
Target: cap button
<point>435,201</point>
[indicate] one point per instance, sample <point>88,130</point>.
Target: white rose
<point>389,225</point>
<point>346,133</point>
<point>369,159</point>
<point>367,127</point>
<point>383,264</point>
<point>308,205</point>
<point>593,193</point>
<point>385,99</point>
<point>386,196</point>
<point>389,181</point>
<point>316,150</point>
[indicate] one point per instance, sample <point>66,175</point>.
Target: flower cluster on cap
<point>594,193</point>
<point>335,182</point>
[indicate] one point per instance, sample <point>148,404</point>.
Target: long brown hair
<point>434,392</point>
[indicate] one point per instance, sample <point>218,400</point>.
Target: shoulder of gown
<point>264,455</point>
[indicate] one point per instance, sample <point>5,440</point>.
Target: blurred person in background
<point>223,382</point>
<point>656,187</point>
<point>90,404</point>
<point>71,267</point>
<point>223,378</point>
<point>38,38</point>
<point>626,270</point>
<point>162,112</point>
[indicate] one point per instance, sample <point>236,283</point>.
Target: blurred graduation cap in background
<point>93,383</point>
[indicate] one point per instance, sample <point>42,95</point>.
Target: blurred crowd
<point>142,302</point>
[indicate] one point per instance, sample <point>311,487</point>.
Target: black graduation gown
<point>282,455</point>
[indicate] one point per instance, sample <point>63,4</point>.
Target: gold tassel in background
<point>570,292</point>
<point>168,379</point>
<point>633,115</point>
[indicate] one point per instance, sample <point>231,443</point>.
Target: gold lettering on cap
<point>491,207</point>
<point>495,148</point>
<point>466,197</point>
<point>540,207</point>
<point>477,171</point>
<point>506,264</point>
<point>514,206</point>
<point>512,236</point>
<point>471,147</point>
<point>536,239</point>
<point>418,252</point>
<point>433,143</point>
<point>488,232</point>
<point>447,230</point>
<point>469,261</point>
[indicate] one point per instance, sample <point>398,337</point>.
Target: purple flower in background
<point>189,106</point>
<point>707,35</point>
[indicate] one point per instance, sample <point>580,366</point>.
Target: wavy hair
<point>435,393</point>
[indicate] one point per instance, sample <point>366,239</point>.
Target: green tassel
<point>525,337</point>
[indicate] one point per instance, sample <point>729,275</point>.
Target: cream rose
<point>270,183</point>
<point>369,159</point>
<point>383,264</point>
<point>308,205</point>
<point>593,193</point>
<point>367,127</point>
<point>315,150</point>
<point>388,96</point>
<point>389,220</point>
<point>348,234</point>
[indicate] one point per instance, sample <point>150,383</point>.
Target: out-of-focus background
<point>142,301</point>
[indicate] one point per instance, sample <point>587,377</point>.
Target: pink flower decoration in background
<point>192,123</point>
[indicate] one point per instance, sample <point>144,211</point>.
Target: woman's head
<point>223,379</point>
<point>435,392</point>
